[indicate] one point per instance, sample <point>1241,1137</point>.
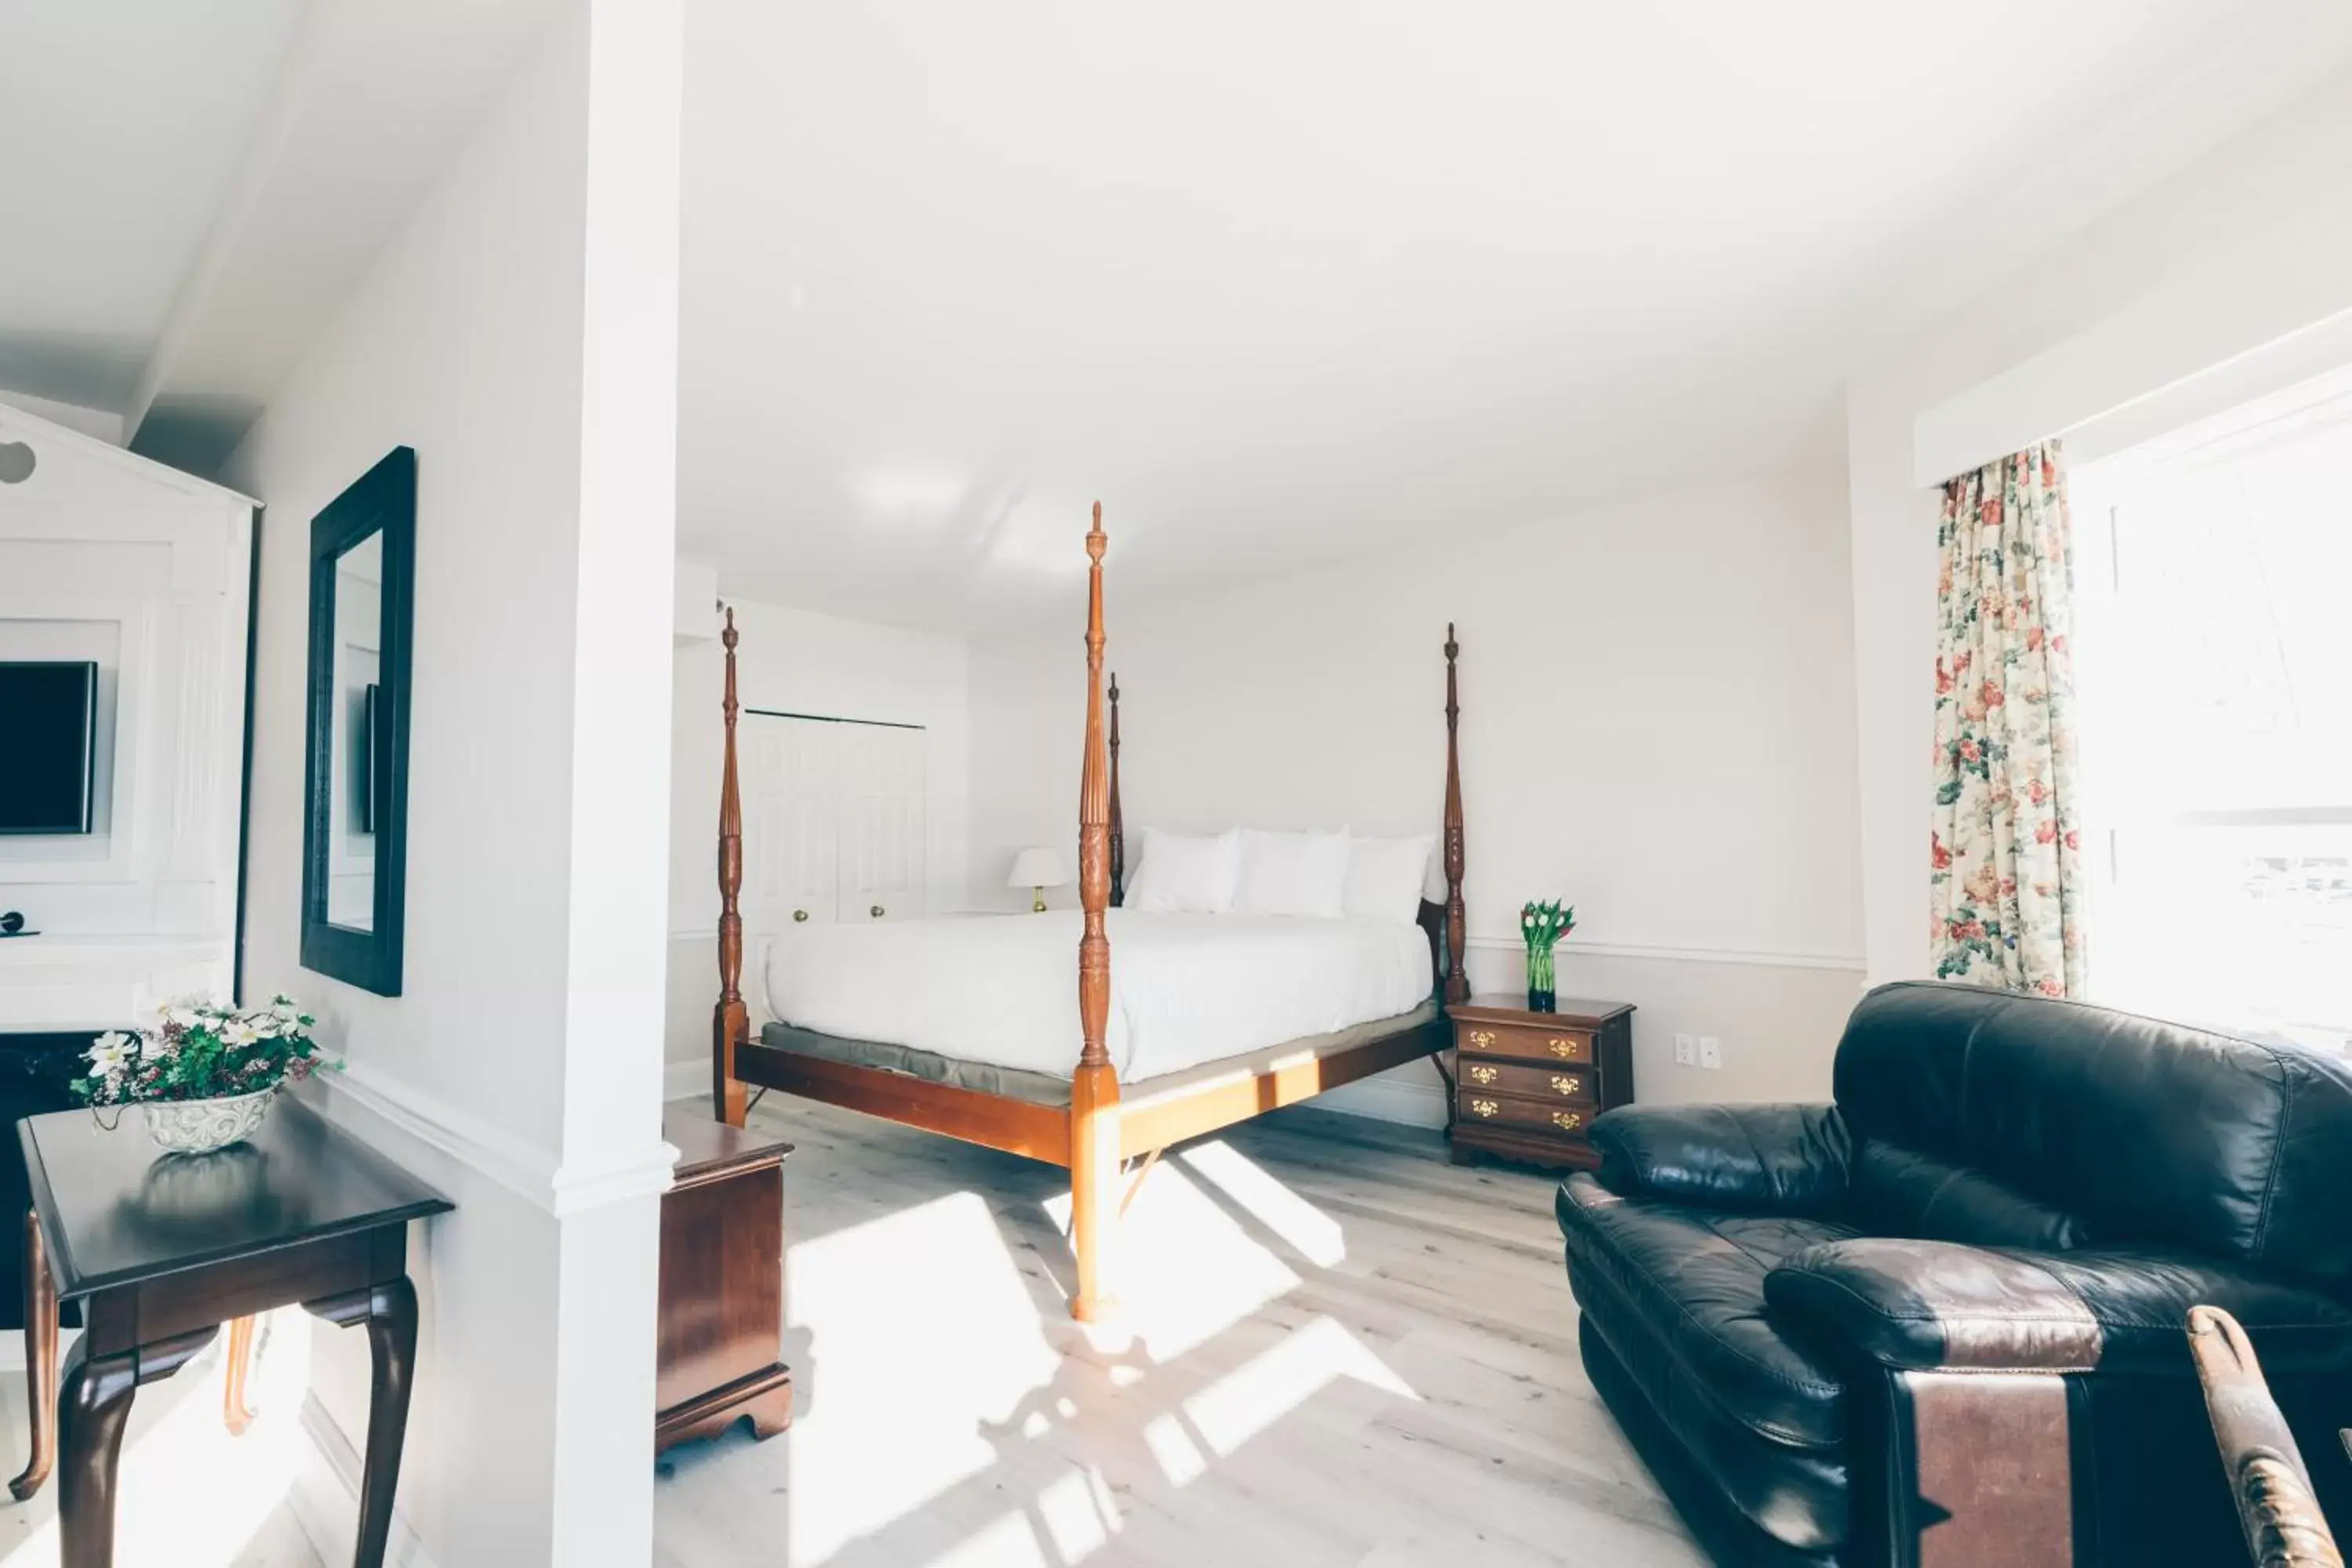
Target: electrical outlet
<point>1686,1050</point>
<point>1710,1052</point>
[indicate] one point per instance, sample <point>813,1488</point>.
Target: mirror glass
<point>357,751</point>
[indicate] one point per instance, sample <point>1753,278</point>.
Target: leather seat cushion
<point>1746,1500</point>
<point>1697,1275</point>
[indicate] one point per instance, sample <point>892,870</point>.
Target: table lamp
<point>1038,869</point>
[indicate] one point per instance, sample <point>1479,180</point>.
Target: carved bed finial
<point>1118,823</point>
<point>1094,825</point>
<point>730,1020</point>
<point>1457,982</point>
<point>1094,1084</point>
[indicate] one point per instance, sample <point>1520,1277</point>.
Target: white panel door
<point>881,822</point>
<point>789,771</point>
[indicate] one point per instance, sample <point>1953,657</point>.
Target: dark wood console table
<point>162,1249</point>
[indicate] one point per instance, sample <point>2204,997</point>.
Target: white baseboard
<point>325,1495</point>
<point>1384,1098</point>
<point>684,1081</point>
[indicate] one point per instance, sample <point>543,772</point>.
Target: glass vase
<point>1541,998</point>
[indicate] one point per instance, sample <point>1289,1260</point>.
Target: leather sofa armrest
<point>1937,1305</point>
<point>1772,1159</point>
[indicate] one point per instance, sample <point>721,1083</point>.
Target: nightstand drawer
<point>1567,1082</point>
<point>1477,1108</point>
<point>1519,1042</point>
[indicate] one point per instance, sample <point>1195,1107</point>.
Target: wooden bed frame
<point>1101,1141</point>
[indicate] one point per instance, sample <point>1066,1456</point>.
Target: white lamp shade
<point>1037,868</point>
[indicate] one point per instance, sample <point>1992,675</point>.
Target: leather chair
<point>1940,1321</point>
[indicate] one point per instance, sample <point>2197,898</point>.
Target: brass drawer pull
<point>1481,1073</point>
<point>1482,1039</point>
<point>1483,1108</point>
<point>1567,1085</point>
<point>1567,1121</point>
<point>1566,1050</point>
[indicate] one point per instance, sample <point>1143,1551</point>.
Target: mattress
<point>1001,992</point>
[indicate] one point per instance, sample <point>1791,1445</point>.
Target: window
<point>2213,662</point>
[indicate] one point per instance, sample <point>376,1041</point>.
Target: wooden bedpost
<point>1118,826</point>
<point>1457,982</point>
<point>731,1021</point>
<point>1093,1086</point>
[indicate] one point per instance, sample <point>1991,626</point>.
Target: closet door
<point>789,771</point>
<point>881,822</point>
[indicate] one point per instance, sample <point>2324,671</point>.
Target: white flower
<point>153,1048</point>
<point>109,1054</point>
<point>238,1032</point>
<point>283,1007</point>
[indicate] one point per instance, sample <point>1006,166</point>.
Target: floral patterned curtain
<point>2007,888</point>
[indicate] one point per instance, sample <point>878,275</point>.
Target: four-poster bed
<point>1087,1121</point>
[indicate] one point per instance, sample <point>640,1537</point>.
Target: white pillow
<point>1386,876</point>
<point>1293,873</point>
<point>1185,873</point>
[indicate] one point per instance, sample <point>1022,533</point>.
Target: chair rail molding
<point>1765,958</point>
<point>535,1174</point>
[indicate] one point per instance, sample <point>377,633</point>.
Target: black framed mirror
<point>355,796</point>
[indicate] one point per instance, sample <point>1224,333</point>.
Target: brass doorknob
<point>800,914</point>
<point>876,912</point>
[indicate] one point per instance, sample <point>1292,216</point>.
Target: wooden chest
<point>1528,1085</point>
<point>718,1359</point>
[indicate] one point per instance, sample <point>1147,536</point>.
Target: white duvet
<point>1184,988</point>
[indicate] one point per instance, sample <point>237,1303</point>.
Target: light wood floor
<point>1338,1349</point>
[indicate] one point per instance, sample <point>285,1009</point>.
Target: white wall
<point>2250,244</point>
<point>801,661</point>
<point>1655,726</point>
<point>515,332</point>
<point>146,573</point>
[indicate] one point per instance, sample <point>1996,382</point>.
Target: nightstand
<point>720,1355</point>
<point>1528,1085</point>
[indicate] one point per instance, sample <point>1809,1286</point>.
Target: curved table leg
<point>95,1401</point>
<point>389,1310</point>
<point>40,1362</point>
<point>238,1364</point>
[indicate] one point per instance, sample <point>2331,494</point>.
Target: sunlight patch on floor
<point>1009,1542</point>
<point>1184,1266</point>
<point>1315,1235</point>
<point>1078,1511</point>
<point>1253,1396</point>
<point>188,1494</point>
<point>926,1338</point>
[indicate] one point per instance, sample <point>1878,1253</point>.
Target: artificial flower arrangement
<point>202,1074</point>
<point>1542,926</point>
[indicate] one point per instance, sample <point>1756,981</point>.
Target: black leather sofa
<point>1942,1319</point>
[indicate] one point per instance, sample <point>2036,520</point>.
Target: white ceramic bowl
<point>200,1126</point>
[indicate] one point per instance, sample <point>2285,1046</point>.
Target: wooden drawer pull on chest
<point>1481,1073</point>
<point>1567,1121</point>
<point>1565,1085</point>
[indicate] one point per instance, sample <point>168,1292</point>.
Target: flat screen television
<point>48,729</point>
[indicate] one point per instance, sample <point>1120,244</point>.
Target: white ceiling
<point>124,122</point>
<point>1276,278</point>
<point>192,189</point>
